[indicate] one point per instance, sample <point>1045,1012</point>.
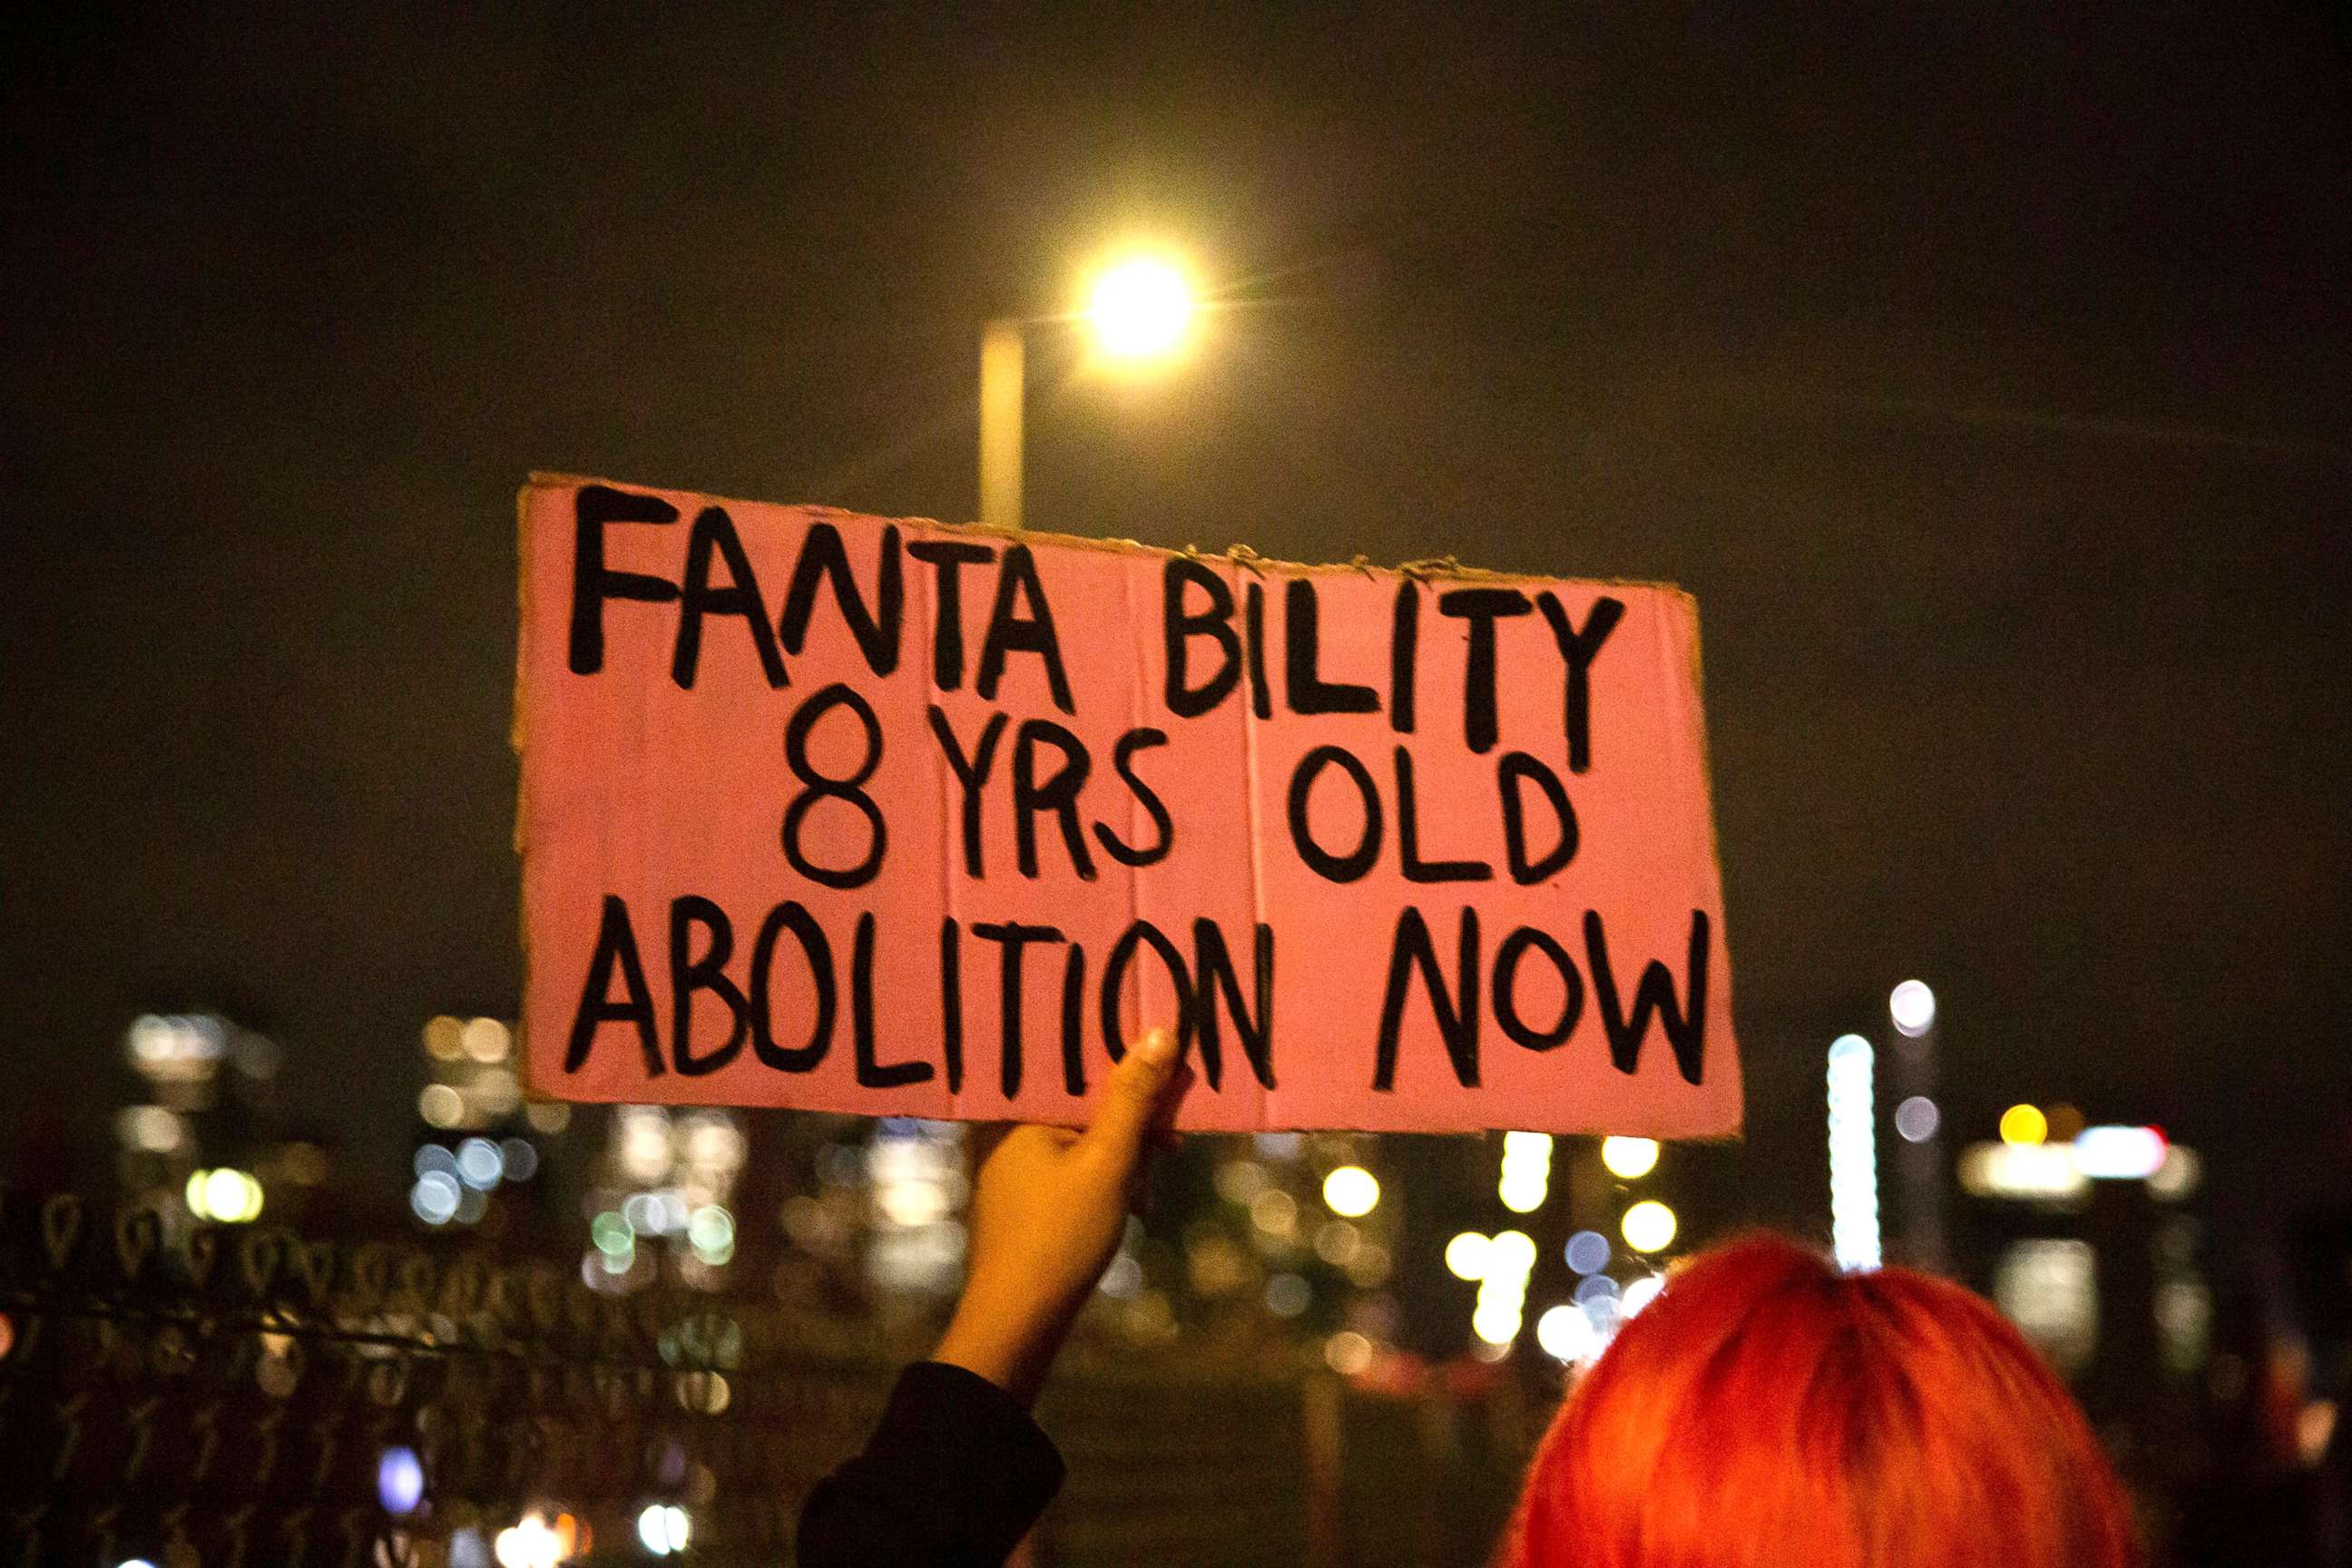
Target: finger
<point>1131,1099</point>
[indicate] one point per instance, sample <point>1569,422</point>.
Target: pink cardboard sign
<point>894,817</point>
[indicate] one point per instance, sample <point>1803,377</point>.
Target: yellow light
<point>1565,1333</point>
<point>485,1039</point>
<point>233,1195</point>
<point>1523,1197</point>
<point>1351,1192</point>
<point>1630,1159</point>
<point>230,1197</point>
<point>1465,1256</point>
<point>1141,309</point>
<point>2024,1124</point>
<point>1509,1258</point>
<point>445,1039</point>
<point>1497,1325</point>
<point>1348,1352</point>
<point>1275,1212</point>
<point>532,1543</point>
<point>440,1105</point>
<point>1649,1226</point>
<point>1527,1171</point>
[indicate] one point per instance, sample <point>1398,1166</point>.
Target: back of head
<point>1767,1409</point>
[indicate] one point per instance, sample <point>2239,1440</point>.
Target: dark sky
<point>1987,380</point>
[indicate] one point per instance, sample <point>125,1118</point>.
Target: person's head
<point>1767,1409</point>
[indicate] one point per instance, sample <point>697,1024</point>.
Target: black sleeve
<point>953,1478</point>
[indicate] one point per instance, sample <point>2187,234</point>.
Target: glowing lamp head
<point>1141,309</point>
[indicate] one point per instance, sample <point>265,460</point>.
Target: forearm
<point>957,1472</point>
<point>1012,1346</point>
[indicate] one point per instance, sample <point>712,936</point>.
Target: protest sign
<point>895,818</point>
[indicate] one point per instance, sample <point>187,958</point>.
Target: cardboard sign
<point>894,817</point>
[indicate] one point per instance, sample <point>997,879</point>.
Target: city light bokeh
<point>1649,1226</point>
<point>1629,1159</point>
<point>1854,1154</point>
<point>2025,1125</point>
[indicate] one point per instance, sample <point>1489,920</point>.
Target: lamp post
<point>1139,311</point>
<point>1001,387</point>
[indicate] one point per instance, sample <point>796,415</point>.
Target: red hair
<point>1767,1409</point>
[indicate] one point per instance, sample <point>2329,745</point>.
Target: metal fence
<point>220,1397</point>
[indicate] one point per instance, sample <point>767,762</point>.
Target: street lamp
<point>1139,311</point>
<point>1140,308</point>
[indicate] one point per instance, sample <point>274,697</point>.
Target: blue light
<point>400,1480</point>
<point>1600,1287</point>
<point>1854,1154</point>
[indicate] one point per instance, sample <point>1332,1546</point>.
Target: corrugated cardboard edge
<point>517,738</point>
<point>1240,555</point>
<point>1715,850</point>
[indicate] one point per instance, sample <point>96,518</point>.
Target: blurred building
<point>2089,1238</point>
<point>1527,1248</point>
<point>661,1198</point>
<point>205,1136</point>
<point>483,1160</point>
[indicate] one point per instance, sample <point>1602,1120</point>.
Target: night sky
<point>1988,383</point>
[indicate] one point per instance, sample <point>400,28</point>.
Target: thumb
<point>1132,1099</point>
